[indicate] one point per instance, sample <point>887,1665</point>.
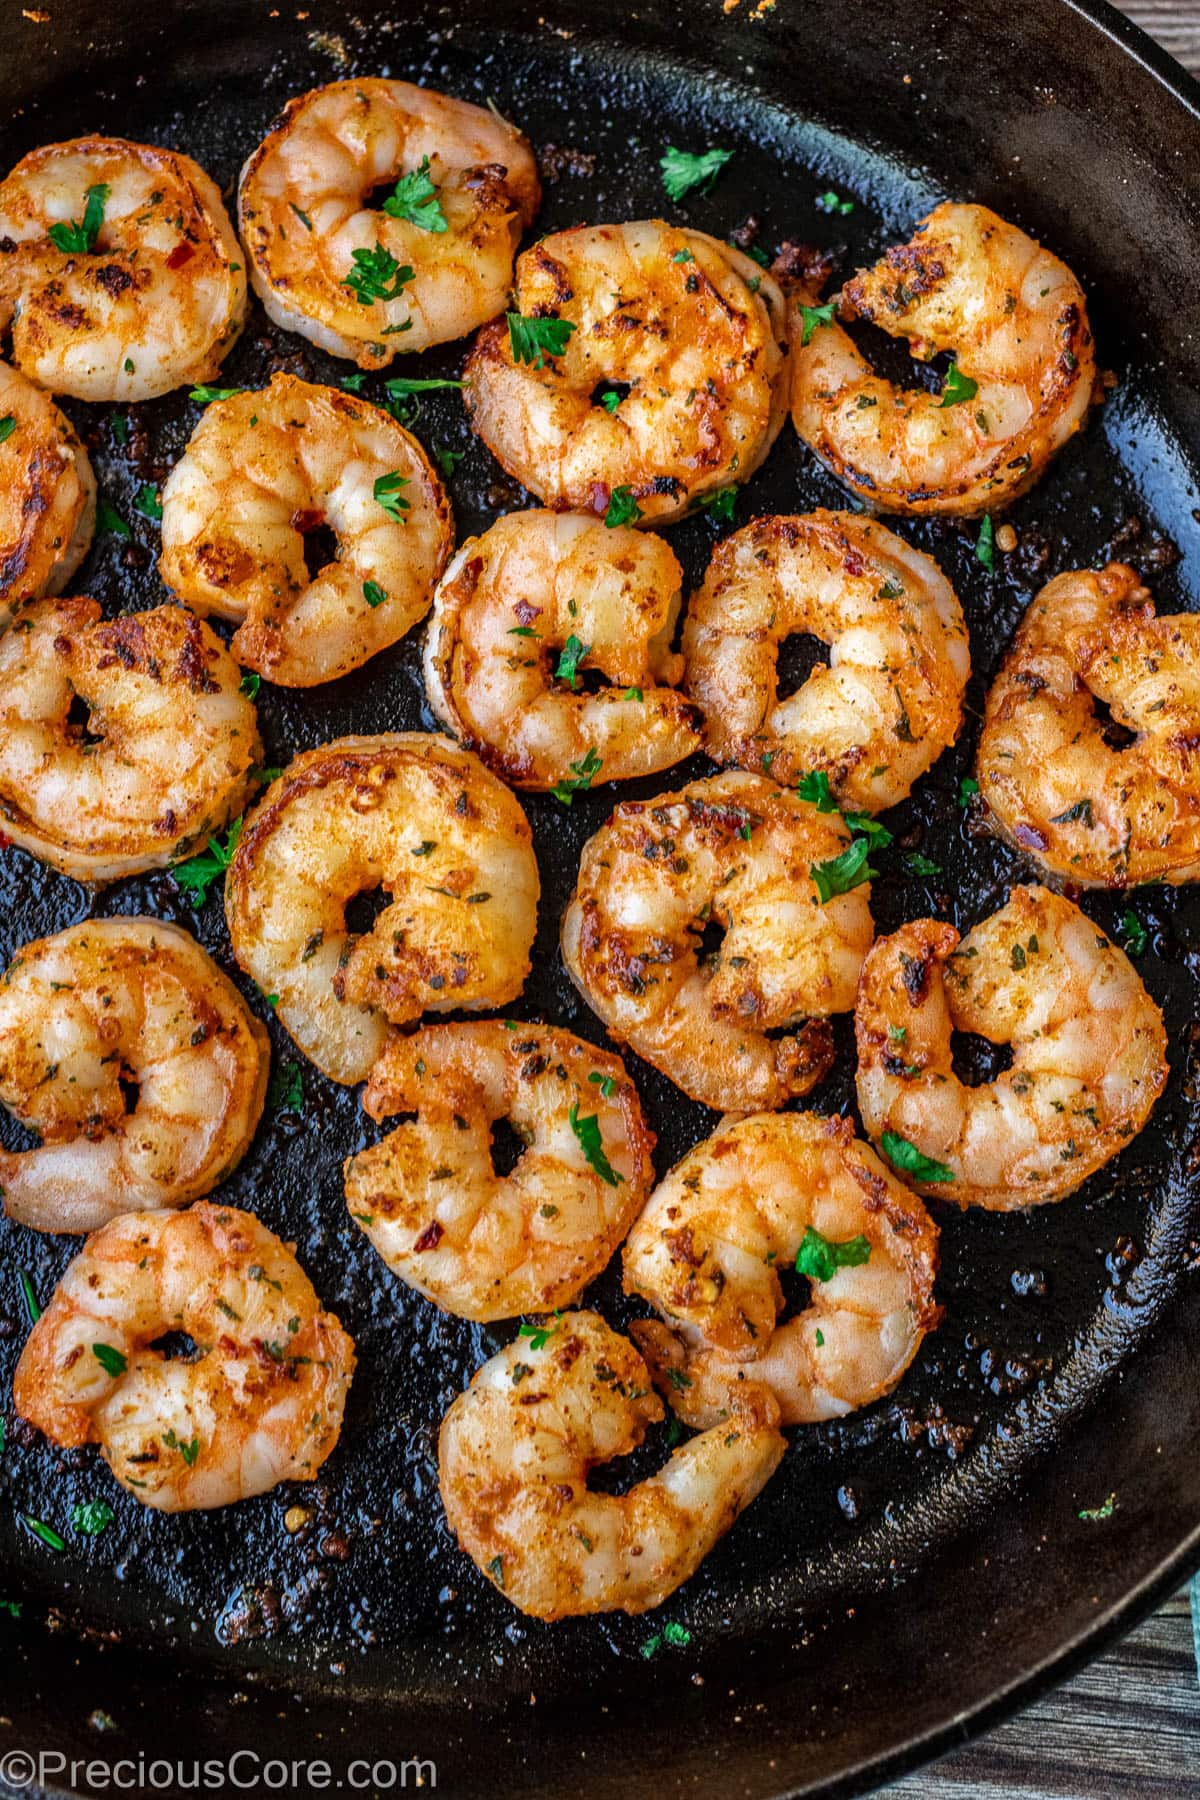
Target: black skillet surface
<point>921,1567</point>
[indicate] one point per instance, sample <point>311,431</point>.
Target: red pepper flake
<point>430,1238</point>
<point>182,253</point>
<point>526,613</point>
<point>854,564</point>
<point>306,519</point>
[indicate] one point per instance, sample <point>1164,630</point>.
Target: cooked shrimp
<point>259,1402</point>
<point>515,1452</point>
<point>432,265</point>
<point>1088,812</point>
<point>692,329</point>
<point>47,495</point>
<point>483,1245</point>
<point>419,818</point>
<point>1022,380</point>
<point>120,274</point>
<point>890,699</point>
<point>86,1014</point>
<point>1088,1053</point>
<point>266,468</point>
<point>167,752</point>
<point>784,1188</point>
<point>737,852</point>
<point>544,592</point>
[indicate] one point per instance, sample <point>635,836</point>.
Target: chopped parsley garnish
<point>1104,1511</point>
<point>448,460</point>
<point>7,426</point>
<point>250,684</point>
<point>353,384</point>
<point>33,1311</point>
<point>921,865</point>
<point>90,1517</point>
<point>48,1536</point>
<point>968,787</point>
<point>376,275</point>
<point>683,256</point>
<point>1134,933</point>
<point>1080,813</point>
<point>814,787</point>
<point>957,387</point>
<point>109,520</point>
<point>77,240</point>
<point>147,502</point>
<point>829,202</point>
<point>910,1161</point>
<point>110,1360</point>
<point>539,1335</point>
<point>605,1083</point>
<point>285,1092</point>
<point>814,316</point>
<point>373,594</point>
<point>415,199</point>
<point>197,875</point>
<point>570,657</point>
<point>841,873</point>
<point>623,509</point>
<point>188,1451</point>
<point>611,400</point>
<point>302,216</point>
<point>682,171</point>
<point>387,492</point>
<point>820,1257</point>
<point>533,340</point>
<point>677,1636</point>
<point>590,1142</point>
<point>401,386</point>
<point>579,779</point>
<point>719,504</point>
<point>985,544</point>
<point>205,395</point>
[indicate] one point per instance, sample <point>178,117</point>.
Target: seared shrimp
<point>1088,1053</point>
<point>889,701</point>
<point>259,1402</point>
<point>692,329</point>
<point>422,820</point>
<point>86,1014</point>
<point>432,265</point>
<point>1021,383</point>
<point>515,1452</point>
<point>120,275</point>
<point>765,1192</point>
<point>737,852</point>
<point>483,1245</point>
<point>521,610</point>
<point>167,752</point>
<point>266,468</point>
<point>47,495</point>
<point>1086,811</point>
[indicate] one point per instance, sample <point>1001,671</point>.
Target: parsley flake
<point>587,1131</point>
<point>77,240</point>
<point>820,1257</point>
<point>197,875</point>
<point>533,340</point>
<point>682,171</point>
<point>910,1161</point>
<point>415,199</point>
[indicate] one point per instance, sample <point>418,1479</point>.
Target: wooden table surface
<point>1128,1728</point>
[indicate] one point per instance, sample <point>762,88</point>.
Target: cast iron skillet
<point>919,1570</point>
